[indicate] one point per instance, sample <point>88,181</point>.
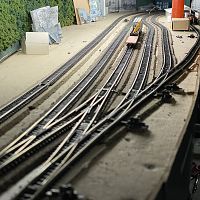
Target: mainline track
<point>14,106</point>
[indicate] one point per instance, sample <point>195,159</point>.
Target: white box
<point>197,15</point>
<point>36,43</point>
<point>180,24</point>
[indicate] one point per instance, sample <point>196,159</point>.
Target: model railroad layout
<point>79,128</point>
<point>13,107</point>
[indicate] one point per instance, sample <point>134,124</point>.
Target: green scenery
<point>187,2</point>
<point>15,17</point>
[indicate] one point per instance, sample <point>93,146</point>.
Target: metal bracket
<point>175,89</point>
<point>135,123</point>
<point>165,96</point>
<point>64,192</point>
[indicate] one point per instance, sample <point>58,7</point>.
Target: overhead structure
<point>177,8</point>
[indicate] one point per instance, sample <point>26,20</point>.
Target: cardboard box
<point>36,43</point>
<point>180,24</point>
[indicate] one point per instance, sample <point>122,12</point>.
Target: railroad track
<point>96,102</point>
<point>140,80</point>
<point>168,61</point>
<point>106,126</point>
<point>69,144</point>
<point>17,104</point>
<point>42,177</point>
<point>143,70</point>
<point>50,126</point>
<point>92,112</point>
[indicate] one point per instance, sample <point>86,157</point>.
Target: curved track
<point>41,132</point>
<point>139,82</point>
<point>168,61</point>
<point>90,114</point>
<point>96,133</point>
<point>141,77</point>
<point>35,184</point>
<point>14,106</point>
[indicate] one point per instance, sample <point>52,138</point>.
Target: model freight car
<point>134,34</point>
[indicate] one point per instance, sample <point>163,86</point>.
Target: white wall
<point>115,5</point>
<point>103,7</point>
<point>196,5</point>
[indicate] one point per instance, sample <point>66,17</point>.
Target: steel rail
<point>143,69</point>
<point>14,106</point>
<point>166,65</point>
<point>150,90</point>
<point>36,130</point>
<point>92,113</point>
<point>92,139</point>
<point>168,62</point>
<point>68,145</point>
<point>103,94</point>
<point>65,146</point>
